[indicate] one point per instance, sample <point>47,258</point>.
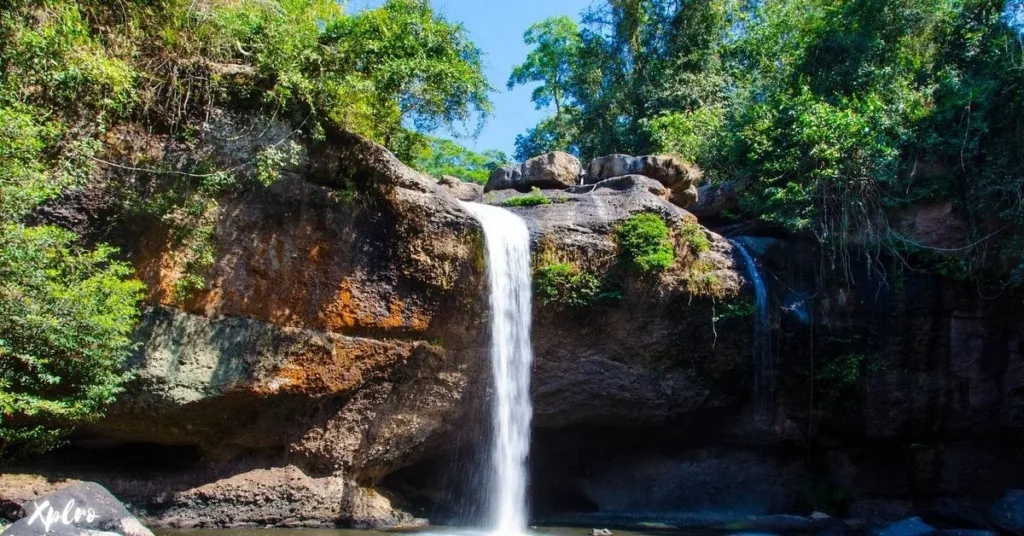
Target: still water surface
<point>432,531</point>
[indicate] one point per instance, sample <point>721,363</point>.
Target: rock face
<point>334,368</point>
<point>555,170</point>
<point>679,177</point>
<point>79,508</point>
<point>320,356</point>
<point>713,199</point>
<point>461,190</point>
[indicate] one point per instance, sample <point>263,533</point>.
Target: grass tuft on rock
<point>643,242</point>
<point>535,197</point>
<point>565,284</point>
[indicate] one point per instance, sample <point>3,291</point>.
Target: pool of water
<point>430,531</point>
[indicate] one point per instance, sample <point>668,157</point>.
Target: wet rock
<point>783,524</point>
<point>913,526</point>
<point>556,170</point>
<point>1008,512</point>
<point>77,509</point>
<point>948,512</point>
<point>966,532</point>
<point>461,190</point>
<point>880,510</point>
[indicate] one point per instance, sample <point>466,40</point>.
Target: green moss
<point>695,237</point>
<point>643,243</point>
<point>734,309</point>
<point>535,197</point>
<point>567,285</point>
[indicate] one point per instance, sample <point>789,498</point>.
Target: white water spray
<point>508,269</point>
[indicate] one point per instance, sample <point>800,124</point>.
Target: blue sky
<point>497,27</point>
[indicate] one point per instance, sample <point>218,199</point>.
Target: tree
<point>66,316</point>
<point>421,69</point>
<point>556,43</point>
<point>438,156</point>
<point>549,135</point>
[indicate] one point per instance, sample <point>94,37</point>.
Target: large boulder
<point>556,170</point>
<point>713,199</point>
<point>80,508</point>
<point>913,526</point>
<point>679,177</point>
<point>624,183</point>
<point>460,189</point>
<point>1008,512</point>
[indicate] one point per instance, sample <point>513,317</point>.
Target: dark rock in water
<point>81,508</point>
<point>948,512</point>
<point>1008,512</point>
<point>880,510</point>
<point>782,523</point>
<point>460,189</point>
<point>966,532</point>
<point>913,526</point>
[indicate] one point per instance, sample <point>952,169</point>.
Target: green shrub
<point>66,316</point>
<point>535,197</point>
<point>565,284</point>
<point>643,242</point>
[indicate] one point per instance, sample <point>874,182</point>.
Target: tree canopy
<point>834,113</point>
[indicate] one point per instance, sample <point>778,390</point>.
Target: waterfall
<point>764,381</point>
<point>508,268</point>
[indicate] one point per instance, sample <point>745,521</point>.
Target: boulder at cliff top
<point>678,176</point>
<point>80,508</point>
<point>460,189</point>
<point>555,170</point>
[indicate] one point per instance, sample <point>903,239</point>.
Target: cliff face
<point>334,368</point>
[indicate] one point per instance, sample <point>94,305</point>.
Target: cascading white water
<point>508,268</point>
<point>764,383</point>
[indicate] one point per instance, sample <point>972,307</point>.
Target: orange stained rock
<point>342,367</point>
<point>348,312</point>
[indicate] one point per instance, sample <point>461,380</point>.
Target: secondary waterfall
<point>508,269</point>
<point>764,383</point>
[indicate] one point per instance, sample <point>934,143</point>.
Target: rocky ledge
<point>333,370</point>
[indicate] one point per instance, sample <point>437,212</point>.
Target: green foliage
<point>699,136</point>
<point>66,316</point>
<point>701,280</point>
<point>838,382</point>
<point>419,67</point>
<point>439,157</point>
<point>549,135</point>
<point>834,113</point>
<point>566,285</point>
<point>535,197</point>
<point>643,243</point>
<point>730,310</point>
<point>555,41</point>
<point>270,161</point>
<point>695,236</point>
